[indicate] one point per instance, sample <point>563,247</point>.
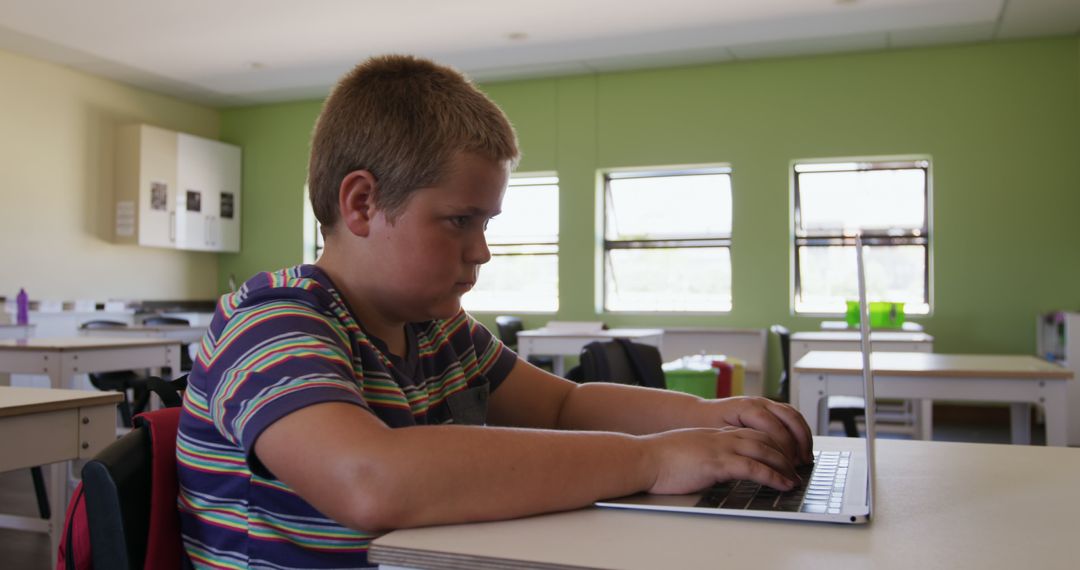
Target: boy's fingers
<point>769,456</point>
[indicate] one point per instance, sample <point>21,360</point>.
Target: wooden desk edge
<point>54,405</point>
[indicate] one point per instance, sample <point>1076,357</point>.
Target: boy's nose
<point>478,251</point>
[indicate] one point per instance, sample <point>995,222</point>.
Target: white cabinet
<point>1058,340</point>
<point>177,190</point>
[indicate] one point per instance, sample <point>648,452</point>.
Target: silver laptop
<point>838,488</point>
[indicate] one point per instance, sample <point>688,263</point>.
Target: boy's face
<point>431,254</point>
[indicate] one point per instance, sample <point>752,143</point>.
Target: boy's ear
<point>356,201</point>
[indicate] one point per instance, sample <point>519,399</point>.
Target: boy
<point>288,453</point>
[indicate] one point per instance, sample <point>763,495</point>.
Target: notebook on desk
<point>837,488</point>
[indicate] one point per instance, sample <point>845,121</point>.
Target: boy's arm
<point>356,470</point>
<point>531,397</point>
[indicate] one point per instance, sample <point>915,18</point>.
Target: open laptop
<point>839,489</point>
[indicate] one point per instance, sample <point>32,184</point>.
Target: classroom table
<point>61,359</point>
<point>559,343</point>
<point>185,334</point>
<point>907,326</point>
<point>1019,380</point>
<point>39,426</point>
<point>938,505</point>
<point>16,331</point>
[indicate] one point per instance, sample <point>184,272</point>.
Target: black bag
<point>622,361</point>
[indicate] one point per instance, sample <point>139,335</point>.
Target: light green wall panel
<point>999,121</point>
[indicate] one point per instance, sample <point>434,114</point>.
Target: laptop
<point>837,488</point>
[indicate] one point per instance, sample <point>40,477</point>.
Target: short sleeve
<point>494,359</point>
<point>272,360</point>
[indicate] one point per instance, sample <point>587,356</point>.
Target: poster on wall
<point>159,196</point>
<point>227,205</point>
<point>194,201</point>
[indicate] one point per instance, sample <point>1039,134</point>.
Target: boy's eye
<point>460,221</point>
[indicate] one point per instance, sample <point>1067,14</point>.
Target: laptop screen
<point>868,380</point>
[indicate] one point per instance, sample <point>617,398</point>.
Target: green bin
<point>697,382</point>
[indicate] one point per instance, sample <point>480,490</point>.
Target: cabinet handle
<point>172,226</point>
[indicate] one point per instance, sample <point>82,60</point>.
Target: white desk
<point>560,343</point>
<point>39,426</point>
<point>908,326</point>
<point>61,359</point>
<point>939,505</point>
<point>802,343</point>
<point>1016,379</point>
<point>185,334</point>
<point>16,331</point>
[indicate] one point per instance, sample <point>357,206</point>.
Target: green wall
<point>1001,123</point>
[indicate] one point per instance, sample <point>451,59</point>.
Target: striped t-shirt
<point>284,341</point>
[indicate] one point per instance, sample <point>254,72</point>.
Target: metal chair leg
<point>39,491</point>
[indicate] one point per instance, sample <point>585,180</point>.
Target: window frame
<point>552,179</point>
<point>920,237</point>
<point>606,245</point>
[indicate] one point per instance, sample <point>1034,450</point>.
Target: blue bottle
<point>22,308</point>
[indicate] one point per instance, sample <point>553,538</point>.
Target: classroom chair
<point>130,491</point>
<point>508,328</point>
<point>846,409</point>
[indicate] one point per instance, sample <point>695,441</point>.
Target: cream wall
<point>57,128</point>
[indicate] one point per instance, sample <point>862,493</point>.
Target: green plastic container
<point>883,314</point>
<point>697,382</point>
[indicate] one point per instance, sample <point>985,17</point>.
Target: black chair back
<point>508,327</point>
<point>163,320</point>
<point>102,324</point>
<point>117,486</point>
<point>784,335</point>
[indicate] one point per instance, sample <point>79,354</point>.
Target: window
<point>667,240</point>
<point>313,238</point>
<point>889,203</point>
<point>523,274</point>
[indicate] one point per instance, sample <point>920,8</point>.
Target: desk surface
<point>608,333</point>
<point>19,401</point>
<point>933,364</point>
<point>81,343</point>
<point>848,336</point>
<point>939,505</point>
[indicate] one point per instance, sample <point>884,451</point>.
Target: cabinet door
<point>156,201</point>
<point>195,178</point>
<point>228,212</point>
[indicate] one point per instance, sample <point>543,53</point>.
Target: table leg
<point>925,418</point>
<point>811,389</point>
<point>1020,423</point>
<point>558,365</point>
<point>58,502</point>
<point>1057,416</point>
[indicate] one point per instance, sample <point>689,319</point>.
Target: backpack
<point>163,541</point>
<point>620,360</point>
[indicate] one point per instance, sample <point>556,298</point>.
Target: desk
<point>882,341</point>
<point>1017,379</point>
<point>63,358</point>
<point>939,505</point>
<point>907,326</point>
<point>16,331</point>
<point>39,426</point>
<point>180,333</point>
<point>559,343</point>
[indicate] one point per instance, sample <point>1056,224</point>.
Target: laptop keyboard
<point>822,489</point>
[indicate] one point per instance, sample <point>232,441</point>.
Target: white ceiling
<point>234,52</point>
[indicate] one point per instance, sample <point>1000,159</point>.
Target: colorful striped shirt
<point>284,341</point>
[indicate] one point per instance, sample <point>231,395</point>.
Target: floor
<point>30,551</point>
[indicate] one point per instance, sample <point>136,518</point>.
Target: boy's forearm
<point>482,473</point>
<point>631,409</point>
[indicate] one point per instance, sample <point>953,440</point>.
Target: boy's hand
<point>688,460</point>
<point>782,422</point>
